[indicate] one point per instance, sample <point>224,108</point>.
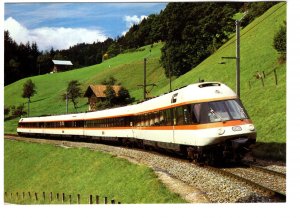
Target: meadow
<point>46,168</point>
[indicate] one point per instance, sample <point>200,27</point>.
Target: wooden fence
<point>262,75</point>
<point>54,198</point>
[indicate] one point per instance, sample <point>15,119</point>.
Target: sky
<point>61,25</point>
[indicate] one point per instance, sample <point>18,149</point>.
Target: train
<point>206,122</point>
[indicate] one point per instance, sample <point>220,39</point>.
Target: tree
<point>29,90</point>
<point>123,97</point>
<point>279,41</point>
<point>73,93</point>
<point>193,37</point>
<point>112,98</point>
<point>18,111</point>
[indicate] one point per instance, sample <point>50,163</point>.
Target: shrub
<point>18,111</point>
<point>279,42</point>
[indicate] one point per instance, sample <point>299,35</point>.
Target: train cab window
<point>196,109</point>
<point>218,111</point>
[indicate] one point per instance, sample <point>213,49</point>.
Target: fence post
<point>23,195</point>
<point>262,81</point>
<point>51,197</point>
<point>275,74</point>
<point>105,200</point>
<point>29,194</point>
<point>249,84</point>
<point>63,197</point>
<point>11,196</point>
<point>264,74</point>
<point>70,198</point>
<point>91,199</point>
<point>112,201</point>
<point>5,193</point>
<point>57,196</point>
<point>97,199</point>
<point>36,196</point>
<point>78,198</point>
<point>44,196</point>
<point>17,194</point>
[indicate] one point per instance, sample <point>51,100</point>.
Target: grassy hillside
<point>127,68</point>
<point>266,105</point>
<point>36,168</point>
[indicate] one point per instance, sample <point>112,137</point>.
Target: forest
<point>188,39</point>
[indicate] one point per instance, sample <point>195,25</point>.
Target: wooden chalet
<point>60,65</point>
<point>96,93</point>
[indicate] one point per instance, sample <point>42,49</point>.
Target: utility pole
<point>66,102</point>
<point>145,82</point>
<point>238,24</point>
<point>170,73</point>
<point>28,106</point>
<point>237,58</point>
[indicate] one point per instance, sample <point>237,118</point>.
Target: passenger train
<point>205,121</point>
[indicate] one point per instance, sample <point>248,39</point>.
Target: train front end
<point>225,130</point>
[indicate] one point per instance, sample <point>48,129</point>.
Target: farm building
<point>96,93</point>
<point>60,65</point>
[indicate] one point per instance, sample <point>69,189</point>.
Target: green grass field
<point>45,168</point>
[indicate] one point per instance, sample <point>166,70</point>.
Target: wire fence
<point>262,76</point>
<point>55,198</point>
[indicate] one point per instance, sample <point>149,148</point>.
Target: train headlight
<point>251,127</point>
<point>221,131</point>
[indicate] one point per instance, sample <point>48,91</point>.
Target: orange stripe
<point>179,127</point>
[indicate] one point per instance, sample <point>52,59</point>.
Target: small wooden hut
<point>96,93</point>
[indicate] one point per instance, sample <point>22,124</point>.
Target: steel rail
<point>277,196</point>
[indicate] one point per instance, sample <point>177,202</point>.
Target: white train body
<point>189,120</point>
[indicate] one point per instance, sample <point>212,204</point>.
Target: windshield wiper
<point>216,114</point>
<point>243,114</point>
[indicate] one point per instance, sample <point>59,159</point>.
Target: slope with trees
<point>191,32</point>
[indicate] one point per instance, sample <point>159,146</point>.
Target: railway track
<point>215,184</point>
<point>268,181</point>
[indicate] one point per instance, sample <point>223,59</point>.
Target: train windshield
<point>218,111</point>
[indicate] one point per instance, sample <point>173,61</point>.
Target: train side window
<point>179,116</point>
<point>187,114</point>
<point>156,118</point>
<point>169,117</point>
<point>161,118</point>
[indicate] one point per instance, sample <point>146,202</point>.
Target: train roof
<point>205,91</point>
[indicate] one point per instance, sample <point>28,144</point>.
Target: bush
<point>18,111</point>
<point>279,43</point>
<point>6,111</point>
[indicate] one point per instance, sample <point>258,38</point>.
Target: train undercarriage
<point>231,150</point>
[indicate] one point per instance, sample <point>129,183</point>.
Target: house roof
<point>60,62</point>
<point>98,90</point>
